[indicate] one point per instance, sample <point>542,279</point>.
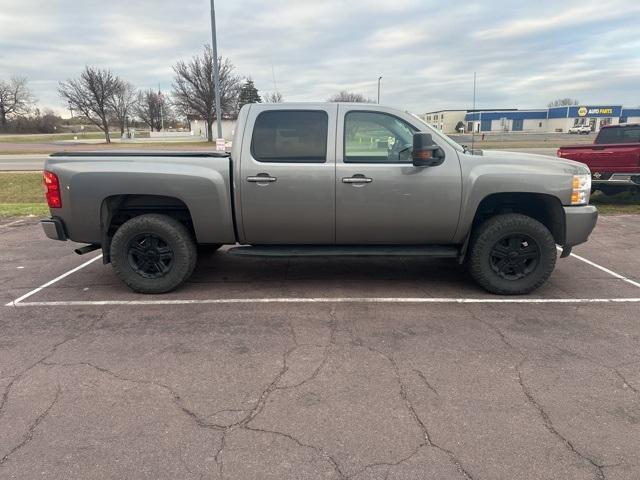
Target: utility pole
<point>379,78</point>
<point>473,132</point>
<point>216,69</point>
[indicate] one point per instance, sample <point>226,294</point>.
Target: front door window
<point>373,137</point>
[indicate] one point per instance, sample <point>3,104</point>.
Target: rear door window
<point>619,135</point>
<point>294,136</point>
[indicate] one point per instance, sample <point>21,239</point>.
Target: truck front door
<point>381,198</point>
<point>287,176</point>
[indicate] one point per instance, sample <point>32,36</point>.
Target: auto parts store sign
<point>599,111</point>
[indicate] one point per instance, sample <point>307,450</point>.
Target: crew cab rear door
<point>381,198</point>
<point>287,175</point>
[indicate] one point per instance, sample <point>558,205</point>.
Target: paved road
<point>22,162</point>
<point>323,390</point>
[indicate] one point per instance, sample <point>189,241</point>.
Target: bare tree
<point>193,92</point>
<point>344,96</point>
<point>149,109</point>
<point>122,103</point>
<point>91,95</point>
<point>15,99</point>
<point>563,102</point>
<point>273,97</point>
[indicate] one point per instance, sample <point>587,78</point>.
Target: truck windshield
<point>436,133</point>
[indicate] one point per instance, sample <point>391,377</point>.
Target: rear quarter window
<point>295,136</point>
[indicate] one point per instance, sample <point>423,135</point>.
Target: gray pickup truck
<point>323,179</point>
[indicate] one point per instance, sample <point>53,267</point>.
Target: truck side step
<point>437,251</point>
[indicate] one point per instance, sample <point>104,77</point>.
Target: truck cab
<point>341,174</point>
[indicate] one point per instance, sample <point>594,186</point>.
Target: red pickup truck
<point>614,158</point>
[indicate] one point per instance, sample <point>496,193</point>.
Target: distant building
<point>445,121</point>
<point>555,119</point>
<point>198,127</point>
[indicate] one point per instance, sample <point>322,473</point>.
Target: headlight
<point>581,189</point>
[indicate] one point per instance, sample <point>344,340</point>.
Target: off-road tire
<point>493,231</point>
<point>173,234</point>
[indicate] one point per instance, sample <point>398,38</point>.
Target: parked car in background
<point>323,179</point>
<point>614,158</point>
<point>580,129</point>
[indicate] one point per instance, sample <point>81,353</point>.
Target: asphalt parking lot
<point>319,368</point>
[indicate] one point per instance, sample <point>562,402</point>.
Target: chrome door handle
<point>357,179</point>
<point>261,178</point>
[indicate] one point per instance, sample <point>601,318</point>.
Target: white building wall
<point>535,125</point>
<point>445,120</point>
<point>563,124</point>
<point>199,129</point>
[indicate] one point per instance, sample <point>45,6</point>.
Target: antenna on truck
<point>473,123</point>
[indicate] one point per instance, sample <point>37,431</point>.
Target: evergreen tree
<point>248,94</point>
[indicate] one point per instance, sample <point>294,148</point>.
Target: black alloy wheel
<point>514,256</point>
<point>150,256</point>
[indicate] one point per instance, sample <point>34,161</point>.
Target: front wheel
<point>512,254</point>
<point>153,253</point>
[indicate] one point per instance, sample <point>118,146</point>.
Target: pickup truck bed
<point>142,181</point>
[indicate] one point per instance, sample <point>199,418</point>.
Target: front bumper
<point>622,179</point>
<point>53,228</point>
<point>579,223</point>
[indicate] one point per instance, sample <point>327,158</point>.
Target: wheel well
<point>117,209</point>
<point>547,209</point>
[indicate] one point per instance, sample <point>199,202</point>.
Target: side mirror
<point>425,152</point>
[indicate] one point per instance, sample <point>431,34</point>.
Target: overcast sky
<point>526,53</point>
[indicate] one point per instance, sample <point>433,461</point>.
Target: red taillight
<point>52,190</point>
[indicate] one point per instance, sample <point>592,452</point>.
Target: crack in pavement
<point>549,424</point>
<point>244,423</point>
<point>29,435</point>
<point>425,381</point>
<point>546,420</point>
<point>217,458</point>
<point>174,396</point>
<point>14,378</point>
<point>614,369</point>
<point>224,429</point>
<point>325,356</point>
<point>428,442</point>
<point>318,450</point>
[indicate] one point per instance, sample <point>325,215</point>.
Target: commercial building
<point>555,119</point>
<point>446,121</point>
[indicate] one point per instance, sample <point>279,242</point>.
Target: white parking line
<point>323,300</point>
<point>10,224</point>
<point>606,270</point>
<point>51,282</point>
<point>18,302</point>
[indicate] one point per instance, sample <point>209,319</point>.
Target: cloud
<point>525,53</point>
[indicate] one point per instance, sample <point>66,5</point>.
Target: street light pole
<point>379,78</point>
<point>216,70</point>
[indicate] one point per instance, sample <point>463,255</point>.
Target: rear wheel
<point>512,254</point>
<point>153,253</point>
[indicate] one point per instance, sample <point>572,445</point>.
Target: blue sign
<point>595,111</point>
